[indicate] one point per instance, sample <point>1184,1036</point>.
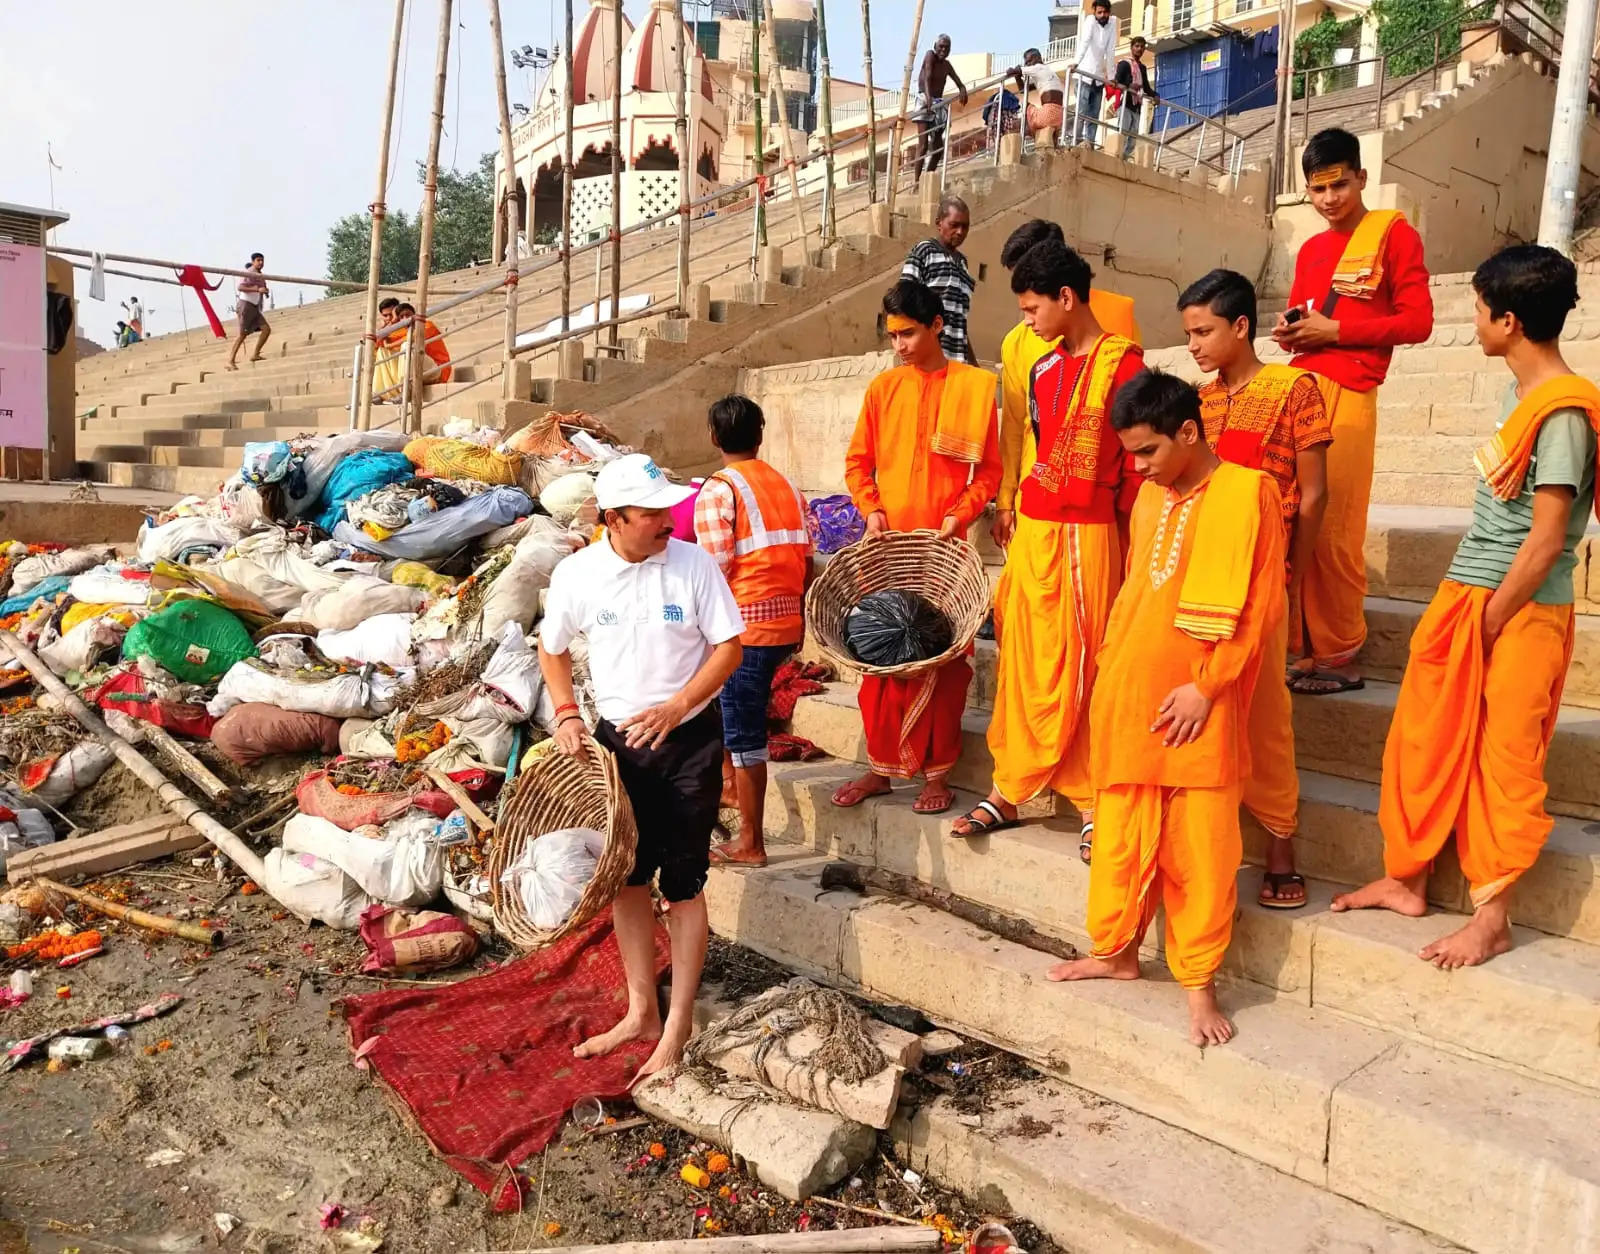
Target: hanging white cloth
<point>97,276</point>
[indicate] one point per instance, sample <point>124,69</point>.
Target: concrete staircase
<point>1368,1102</point>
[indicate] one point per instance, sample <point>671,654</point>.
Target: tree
<point>463,230</point>
<point>1404,24</point>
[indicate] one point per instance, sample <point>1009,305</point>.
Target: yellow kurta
<point>1167,819</point>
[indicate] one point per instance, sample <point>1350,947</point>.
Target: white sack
<point>551,873</point>
<point>314,889</point>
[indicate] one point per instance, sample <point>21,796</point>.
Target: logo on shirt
<point>607,618</point>
<point>672,613</point>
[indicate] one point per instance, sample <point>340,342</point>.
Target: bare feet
<point>667,1053</point>
<point>1322,681</point>
<point>858,790</point>
<point>1402,896</point>
<point>632,1028</point>
<point>1486,934</point>
<point>1122,966</point>
<point>935,798</point>
<point>1207,1024</point>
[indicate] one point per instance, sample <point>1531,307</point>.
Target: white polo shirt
<point>651,624</point>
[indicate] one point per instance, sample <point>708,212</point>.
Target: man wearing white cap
<point>663,631</point>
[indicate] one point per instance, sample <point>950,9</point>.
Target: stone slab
<point>106,850</point>
<point>796,1151</point>
<point>1501,1163</point>
<point>1099,1178</point>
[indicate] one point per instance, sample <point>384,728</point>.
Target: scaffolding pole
<point>377,211</point>
<point>411,418</point>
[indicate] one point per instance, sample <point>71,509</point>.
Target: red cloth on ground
<point>782,747</point>
<point>793,680</point>
<point>195,277</point>
<point>486,1067</point>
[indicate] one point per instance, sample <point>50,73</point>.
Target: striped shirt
<point>945,271</point>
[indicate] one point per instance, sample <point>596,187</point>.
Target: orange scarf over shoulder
<point>1360,269</point>
<point>1217,581</point>
<point>1074,456</point>
<point>1254,412</point>
<point>1503,461</point>
<point>966,413</point>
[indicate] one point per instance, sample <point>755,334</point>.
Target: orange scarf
<point>1503,461</point>
<point>1074,457</point>
<point>1360,269</point>
<point>1218,578</point>
<point>966,413</point>
<point>1253,414</point>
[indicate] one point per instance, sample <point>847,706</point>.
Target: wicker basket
<point>556,792</point>
<point>948,572</point>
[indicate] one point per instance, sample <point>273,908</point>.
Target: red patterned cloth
<point>486,1067</point>
<point>793,680</point>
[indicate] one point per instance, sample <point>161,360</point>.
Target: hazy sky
<point>203,130</point>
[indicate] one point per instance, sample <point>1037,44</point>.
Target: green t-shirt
<point>1563,454</point>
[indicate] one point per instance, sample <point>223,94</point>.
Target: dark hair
<point>1163,402</point>
<point>406,308</point>
<point>388,302</point>
<point>1048,267</point>
<point>1032,52</point>
<point>1100,4</point>
<point>257,257</point>
<point>911,299</point>
<point>1535,283</point>
<point>1331,147</point>
<point>736,424</point>
<point>1226,293</point>
<point>1035,231</point>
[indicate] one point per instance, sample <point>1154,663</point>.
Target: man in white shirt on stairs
<point>663,630</point>
<point>1097,44</point>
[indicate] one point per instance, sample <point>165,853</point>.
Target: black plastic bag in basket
<point>893,627</point>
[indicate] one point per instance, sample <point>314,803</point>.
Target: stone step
<point>1340,734</point>
<point>1449,490</point>
<point>150,437</point>
<point>1538,1012</point>
<point>1146,1187</point>
<point>184,480</point>
<point>245,403</point>
<point>1471,1152</point>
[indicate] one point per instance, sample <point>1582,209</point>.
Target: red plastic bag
<point>129,692</point>
<point>317,795</point>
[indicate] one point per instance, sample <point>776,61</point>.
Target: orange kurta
<point>1333,594</point>
<point>913,724</point>
<point>1271,420</point>
<point>1167,819</point>
<point>1467,746</point>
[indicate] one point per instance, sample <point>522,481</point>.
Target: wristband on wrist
<point>569,718</point>
<point>569,707</point>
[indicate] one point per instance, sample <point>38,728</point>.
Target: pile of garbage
<point>365,602</point>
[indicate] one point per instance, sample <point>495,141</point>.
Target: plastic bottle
<point>118,1037</point>
<point>78,1048</point>
<point>22,983</point>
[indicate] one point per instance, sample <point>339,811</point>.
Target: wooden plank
<point>106,850</point>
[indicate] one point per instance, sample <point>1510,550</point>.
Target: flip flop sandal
<point>1275,882</point>
<point>918,808</point>
<point>719,858</point>
<point>858,795</point>
<point>974,818</point>
<point>1085,842</point>
<point>1340,684</point>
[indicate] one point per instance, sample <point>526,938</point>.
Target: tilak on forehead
<point>1328,173</point>
<point>899,322</point>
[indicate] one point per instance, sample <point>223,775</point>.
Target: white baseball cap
<point>635,479</point>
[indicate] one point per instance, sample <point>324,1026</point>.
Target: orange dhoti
<point>913,723</point>
<point>1331,624</point>
<point>1272,791</point>
<point>1050,621</point>
<point>1466,750</point>
<point>1173,847</point>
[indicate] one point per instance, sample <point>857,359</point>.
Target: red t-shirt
<point>1400,311</point>
<point>1117,482</point>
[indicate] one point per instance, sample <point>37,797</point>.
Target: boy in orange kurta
<point>1477,706</point>
<point>1170,711</point>
<point>925,455</point>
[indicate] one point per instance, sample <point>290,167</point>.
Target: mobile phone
<point>1294,314</point>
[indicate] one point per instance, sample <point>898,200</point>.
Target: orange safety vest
<point>771,551</point>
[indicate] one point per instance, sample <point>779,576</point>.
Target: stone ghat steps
<point>1471,1152</point>
<point>1536,1009</point>
<point>1100,1178</point>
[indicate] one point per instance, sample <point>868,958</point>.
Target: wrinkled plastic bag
<point>68,775</point>
<point>323,455</point>
<point>445,531</point>
<point>364,471</point>
<point>196,640</point>
<point>48,589</point>
<point>111,584</point>
<point>314,889</point>
<point>195,531</point>
<point>834,523</point>
<point>21,827</point>
<point>355,600</point>
<point>37,567</point>
<point>77,649</point>
<point>403,871</point>
<point>348,695</point>
<point>550,873</point>
<point>512,675</point>
<point>248,733</point>
<point>412,941</point>
<point>383,638</point>
<point>266,461</point>
<point>570,498</point>
<point>462,459</point>
<point>896,626</point>
<point>514,595</point>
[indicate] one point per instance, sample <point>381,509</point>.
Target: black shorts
<point>674,791</point>
<point>251,319</point>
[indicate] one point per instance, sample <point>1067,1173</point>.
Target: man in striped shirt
<point>939,263</point>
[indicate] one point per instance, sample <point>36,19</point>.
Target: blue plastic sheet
<point>364,471</point>
<point>50,586</point>
<point>442,533</point>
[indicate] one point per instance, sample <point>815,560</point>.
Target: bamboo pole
<point>508,202</point>
<point>761,139</point>
<point>173,797</point>
<point>61,250</point>
<point>412,415</point>
<point>566,183</point>
<point>905,100</point>
<point>685,163</point>
<point>211,936</point>
<point>918,1237</point>
<point>186,762</point>
<point>376,212</point>
<point>785,141</point>
<point>829,229</point>
<point>459,795</point>
<point>872,103</point>
<point>616,168</point>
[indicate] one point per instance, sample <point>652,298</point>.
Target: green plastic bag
<point>198,641</point>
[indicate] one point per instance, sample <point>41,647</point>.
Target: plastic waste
<point>551,873</point>
<point>896,626</point>
<point>78,1048</point>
